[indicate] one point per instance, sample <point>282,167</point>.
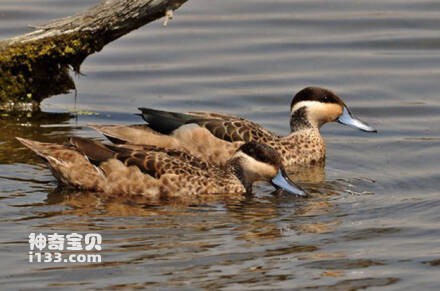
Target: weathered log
<point>36,65</point>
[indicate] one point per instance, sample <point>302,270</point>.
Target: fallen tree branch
<point>36,65</point>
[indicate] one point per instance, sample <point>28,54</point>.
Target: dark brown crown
<point>316,94</point>
<point>262,153</point>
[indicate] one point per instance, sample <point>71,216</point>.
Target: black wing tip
<point>149,110</point>
<point>148,113</point>
<point>166,122</point>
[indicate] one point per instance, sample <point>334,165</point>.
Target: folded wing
<point>225,127</point>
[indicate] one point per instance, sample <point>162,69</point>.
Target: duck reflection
<point>256,218</point>
<point>84,203</point>
<point>284,217</point>
<point>312,175</point>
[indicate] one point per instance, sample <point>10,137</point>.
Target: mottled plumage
<point>302,147</point>
<point>156,172</point>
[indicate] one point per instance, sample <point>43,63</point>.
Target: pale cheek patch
<point>256,170</point>
<point>333,112</point>
<point>307,104</point>
<point>319,113</point>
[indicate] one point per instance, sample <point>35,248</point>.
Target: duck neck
<point>234,166</point>
<point>299,120</point>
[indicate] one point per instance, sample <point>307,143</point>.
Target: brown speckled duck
<point>159,172</point>
<point>215,137</point>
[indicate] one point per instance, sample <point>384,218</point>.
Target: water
<point>373,218</point>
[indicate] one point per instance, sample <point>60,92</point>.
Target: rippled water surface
<point>373,218</point>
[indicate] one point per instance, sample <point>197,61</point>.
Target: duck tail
<point>68,165</point>
<point>40,148</point>
<point>165,121</point>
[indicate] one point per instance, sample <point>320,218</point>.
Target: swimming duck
<point>215,137</point>
<point>159,172</point>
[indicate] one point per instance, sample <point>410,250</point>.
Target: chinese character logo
<point>37,241</point>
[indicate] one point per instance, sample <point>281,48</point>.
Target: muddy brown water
<point>373,218</point>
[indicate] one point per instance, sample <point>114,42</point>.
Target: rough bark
<point>36,65</point>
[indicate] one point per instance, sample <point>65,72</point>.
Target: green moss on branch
<point>32,71</point>
<point>36,65</point>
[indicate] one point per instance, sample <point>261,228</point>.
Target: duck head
<point>314,106</point>
<point>254,161</point>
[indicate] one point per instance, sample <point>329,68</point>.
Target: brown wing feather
<point>211,115</point>
<point>138,150</point>
<point>138,134</point>
<point>151,160</point>
<point>233,128</point>
<point>237,130</point>
<point>157,161</point>
<point>95,151</point>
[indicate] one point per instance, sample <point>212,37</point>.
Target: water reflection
<point>357,284</point>
<point>314,175</point>
<point>257,218</point>
<point>83,203</point>
<point>39,125</point>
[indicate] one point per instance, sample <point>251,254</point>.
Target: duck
<point>154,172</point>
<point>215,137</point>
